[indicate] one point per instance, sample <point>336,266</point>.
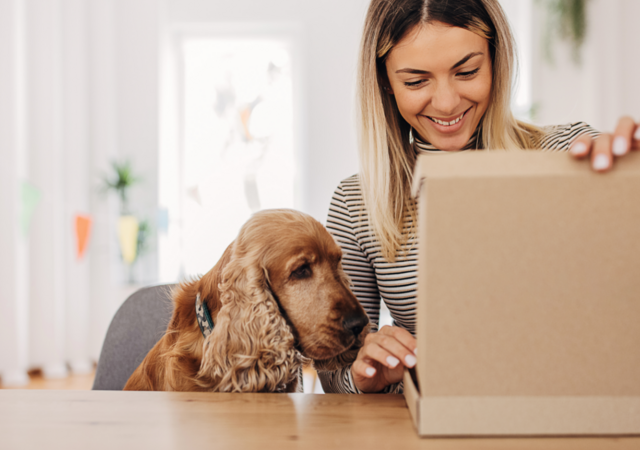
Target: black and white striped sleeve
<point>363,280</point>
<point>560,137</point>
<point>342,223</point>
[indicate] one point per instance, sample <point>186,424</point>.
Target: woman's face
<point>441,78</point>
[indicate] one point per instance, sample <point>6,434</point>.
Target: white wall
<point>628,55</point>
<point>331,34</point>
<point>606,85</point>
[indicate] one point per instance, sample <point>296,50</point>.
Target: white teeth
<point>447,124</point>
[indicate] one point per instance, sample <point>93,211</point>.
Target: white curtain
<point>61,124</point>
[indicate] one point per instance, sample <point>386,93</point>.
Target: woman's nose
<point>445,99</point>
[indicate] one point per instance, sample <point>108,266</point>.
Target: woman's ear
<point>251,348</point>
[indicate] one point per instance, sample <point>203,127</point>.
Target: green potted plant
<point>567,21</point>
<point>121,182</point>
<point>130,228</point>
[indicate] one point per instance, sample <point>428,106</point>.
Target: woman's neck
<point>422,146</point>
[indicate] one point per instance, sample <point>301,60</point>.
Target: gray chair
<point>139,323</point>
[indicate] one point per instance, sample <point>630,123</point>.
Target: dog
<point>276,300</point>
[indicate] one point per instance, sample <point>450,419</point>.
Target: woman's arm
<point>355,261</point>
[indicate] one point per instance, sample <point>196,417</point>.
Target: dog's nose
<point>355,323</point>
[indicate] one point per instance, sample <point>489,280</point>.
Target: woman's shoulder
<point>347,202</point>
<point>348,196</point>
<point>560,137</point>
<point>350,186</point>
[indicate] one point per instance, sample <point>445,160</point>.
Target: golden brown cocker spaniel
<point>278,297</point>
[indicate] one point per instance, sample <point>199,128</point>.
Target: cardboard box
<point>528,296</point>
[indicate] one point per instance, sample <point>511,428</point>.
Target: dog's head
<point>303,270</point>
<point>283,290</point>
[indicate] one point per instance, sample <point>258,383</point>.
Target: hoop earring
<point>411,135</point>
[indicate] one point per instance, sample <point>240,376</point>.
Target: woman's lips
<point>453,125</point>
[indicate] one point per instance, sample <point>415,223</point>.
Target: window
<point>235,145</point>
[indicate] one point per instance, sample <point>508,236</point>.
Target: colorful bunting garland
<point>31,196</point>
<point>83,229</point>
<point>128,227</point>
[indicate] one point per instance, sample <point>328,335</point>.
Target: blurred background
<point>136,136</point>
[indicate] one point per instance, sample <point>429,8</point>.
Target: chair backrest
<point>139,323</point>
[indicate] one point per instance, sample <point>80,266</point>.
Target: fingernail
<point>579,148</point>
<point>601,162</point>
<point>410,360</point>
<point>637,135</point>
<point>370,371</point>
<point>393,362</point>
<point>619,146</point>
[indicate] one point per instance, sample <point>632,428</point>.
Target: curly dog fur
<point>278,298</point>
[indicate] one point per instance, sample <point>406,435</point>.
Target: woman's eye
<point>413,83</point>
<point>468,74</point>
<point>304,271</point>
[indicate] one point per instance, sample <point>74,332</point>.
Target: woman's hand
<point>382,359</point>
<point>607,146</point>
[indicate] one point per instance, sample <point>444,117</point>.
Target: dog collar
<point>204,317</point>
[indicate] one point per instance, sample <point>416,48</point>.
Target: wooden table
<point>91,420</point>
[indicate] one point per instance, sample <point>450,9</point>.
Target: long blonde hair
<point>387,158</point>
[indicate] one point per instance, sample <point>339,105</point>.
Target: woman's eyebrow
<point>465,59</point>
<point>455,66</point>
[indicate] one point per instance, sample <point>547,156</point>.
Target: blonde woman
<point>434,75</point>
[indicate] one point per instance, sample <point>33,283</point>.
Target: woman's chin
<point>450,145</point>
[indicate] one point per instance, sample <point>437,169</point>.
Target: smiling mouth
<point>449,123</point>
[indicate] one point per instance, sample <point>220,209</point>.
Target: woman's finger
<point>623,136</point>
<point>601,158</point>
<point>379,354</point>
<point>581,146</point>
<point>363,368</point>
<point>402,335</point>
<point>397,350</point>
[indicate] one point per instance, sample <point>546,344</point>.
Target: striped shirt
<point>373,278</point>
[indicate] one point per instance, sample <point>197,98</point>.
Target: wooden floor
<point>72,382</point>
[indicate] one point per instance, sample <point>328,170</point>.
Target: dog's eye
<point>304,271</point>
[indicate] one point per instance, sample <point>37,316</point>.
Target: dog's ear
<point>343,359</point>
<point>251,348</point>
<point>208,285</point>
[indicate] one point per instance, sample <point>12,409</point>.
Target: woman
<point>434,75</point>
